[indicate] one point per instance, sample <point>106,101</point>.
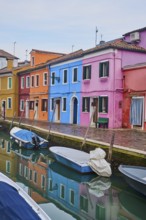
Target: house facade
<point>34,84</point>
<point>65,89</point>
<point>134,103</point>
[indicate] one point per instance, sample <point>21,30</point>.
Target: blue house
<point>65,88</point>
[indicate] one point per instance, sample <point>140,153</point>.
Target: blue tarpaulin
<point>13,206</point>
<point>25,135</point>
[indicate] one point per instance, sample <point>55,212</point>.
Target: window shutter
<point>106,105</point>
<point>88,104</point>
<point>83,104</point>
<point>84,72</point>
<point>108,68</point>
<point>89,72</point>
<point>100,69</point>
<point>100,104</point>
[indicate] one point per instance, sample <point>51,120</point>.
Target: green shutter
<point>100,104</point>
<point>89,72</point>
<point>108,68</point>
<point>88,103</point>
<point>83,104</point>
<point>106,105</point>
<point>100,69</point>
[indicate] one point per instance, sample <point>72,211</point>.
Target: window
<point>35,177</point>
<point>52,104</point>
<point>20,169</point>
<point>31,105</point>
<point>103,104</point>
<point>9,103</point>
<point>72,197</point>
<point>87,72</point>
<point>22,82</point>
<point>65,76</point>
<point>27,82</point>
<point>8,166</point>
<point>32,81</point>
<point>37,80</point>
<point>44,105</point>
<point>62,191</point>
<point>9,82</point>
<point>30,174</point>
<point>53,78</point>
<point>75,75</point>
<point>21,105</point>
<point>84,203</point>
<point>85,104</point>
<point>45,77</point>
<point>50,184</point>
<point>43,181</point>
<point>104,69</point>
<point>100,212</point>
<point>32,61</point>
<point>63,104</point>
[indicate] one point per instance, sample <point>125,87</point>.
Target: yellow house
<point>8,84</point>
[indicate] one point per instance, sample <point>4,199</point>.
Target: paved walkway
<point>134,140</point>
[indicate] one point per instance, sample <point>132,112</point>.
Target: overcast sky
<point>65,25</point>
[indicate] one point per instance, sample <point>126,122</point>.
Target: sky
<point>65,26</point>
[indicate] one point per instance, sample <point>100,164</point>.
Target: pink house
<point>102,84</point>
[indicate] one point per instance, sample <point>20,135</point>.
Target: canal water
<point>65,194</point>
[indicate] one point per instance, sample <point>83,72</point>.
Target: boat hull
<point>69,161</point>
<point>135,176</point>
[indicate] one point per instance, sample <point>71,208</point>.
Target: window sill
<point>86,81</point>
<point>104,78</point>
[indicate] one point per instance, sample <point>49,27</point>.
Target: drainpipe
<point>114,54</point>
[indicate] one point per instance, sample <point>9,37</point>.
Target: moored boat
<point>135,176</point>
<point>15,203</point>
<point>27,139</point>
<point>81,161</point>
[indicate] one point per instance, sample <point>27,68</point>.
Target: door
<point>27,109</point>
<point>94,108</point>
<point>136,112</point>
<point>3,109</point>
<point>57,112</point>
<point>75,110</point>
<point>36,108</point>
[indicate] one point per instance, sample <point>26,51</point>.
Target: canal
<point>65,194</point>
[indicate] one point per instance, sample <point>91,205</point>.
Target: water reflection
<point>66,194</point>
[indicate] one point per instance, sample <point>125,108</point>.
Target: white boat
<point>27,139</point>
<point>135,176</point>
<point>15,203</point>
<point>81,161</point>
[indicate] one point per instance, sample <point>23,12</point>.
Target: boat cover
<point>25,135</point>
<point>13,206</point>
<point>98,164</point>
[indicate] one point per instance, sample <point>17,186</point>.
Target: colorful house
<point>102,82</point>
<point>8,85</point>
<point>134,103</point>
<point>65,88</point>
<point>34,84</point>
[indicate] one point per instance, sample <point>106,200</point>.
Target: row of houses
<point>101,86</point>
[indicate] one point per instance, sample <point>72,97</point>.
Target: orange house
<point>39,83</point>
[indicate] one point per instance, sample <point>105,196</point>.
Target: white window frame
<point>8,106</point>
<point>43,182</point>
<point>62,186</point>
<point>45,79</point>
<point>32,61</point>
<point>53,78</point>
<point>73,73</point>
<point>21,104</point>
<point>32,77</point>
<point>22,82</point>
<point>20,169</point>
<point>63,102</point>
<point>37,79</point>
<point>8,166</point>
<point>9,87</point>
<point>105,74</point>
<point>70,191</point>
<point>35,176</point>
<point>27,81</point>
<point>65,70</point>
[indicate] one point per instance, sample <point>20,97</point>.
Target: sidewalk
<point>133,140</point>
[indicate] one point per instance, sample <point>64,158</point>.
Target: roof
<point>137,30</point>
<point>116,44</point>
<point>66,57</point>
<point>7,55</point>
<point>43,51</point>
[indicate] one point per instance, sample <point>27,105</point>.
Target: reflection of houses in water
<point>32,170</point>
<point>85,196</point>
<point>8,161</point>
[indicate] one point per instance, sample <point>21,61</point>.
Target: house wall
<point>110,86</point>
<point>134,85</point>
<point>69,90</point>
